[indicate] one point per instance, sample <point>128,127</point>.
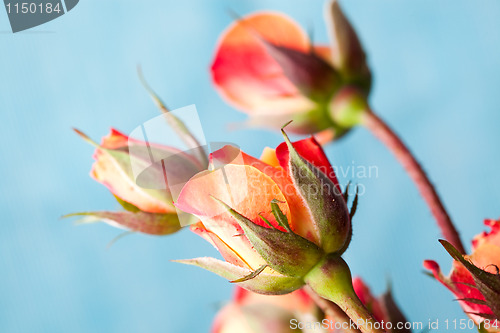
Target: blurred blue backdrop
<point>437,73</point>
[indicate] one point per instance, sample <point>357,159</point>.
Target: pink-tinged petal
<point>297,301</point>
<point>487,258</point>
<point>247,76</point>
<point>115,139</point>
<point>433,266</point>
<point>492,237</point>
<point>227,253</point>
<point>244,188</point>
<point>232,155</point>
<point>299,213</point>
<point>107,171</point>
<point>311,151</point>
<point>241,295</point>
<point>460,282</point>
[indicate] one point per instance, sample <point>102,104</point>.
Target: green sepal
<point>314,77</point>
<point>349,57</point>
<point>263,283</point>
<point>472,300</point>
<point>280,216</point>
<point>285,252</point>
<point>487,284</point>
<point>250,276</point>
<point>346,191</point>
<point>148,223</point>
<point>324,200</point>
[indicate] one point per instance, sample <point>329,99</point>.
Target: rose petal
<point>492,237</point>
<point>247,75</point>
<point>244,188</point>
<point>310,150</point>
<point>227,253</point>
<point>299,213</point>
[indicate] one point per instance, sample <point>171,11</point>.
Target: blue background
<point>437,75</point>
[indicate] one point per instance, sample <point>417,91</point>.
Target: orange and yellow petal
<point>245,189</point>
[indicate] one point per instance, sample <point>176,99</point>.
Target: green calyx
<point>284,251</point>
<point>331,279</point>
<point>348,107</point>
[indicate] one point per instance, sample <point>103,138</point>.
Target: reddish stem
<point>385,134</point>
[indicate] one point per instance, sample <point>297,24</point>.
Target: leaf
<point>148,223</point>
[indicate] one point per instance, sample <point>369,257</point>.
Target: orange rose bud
<point>261,216</point>
<point>474,279</point>
<point>266,66</point>
<point>145,197</point>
